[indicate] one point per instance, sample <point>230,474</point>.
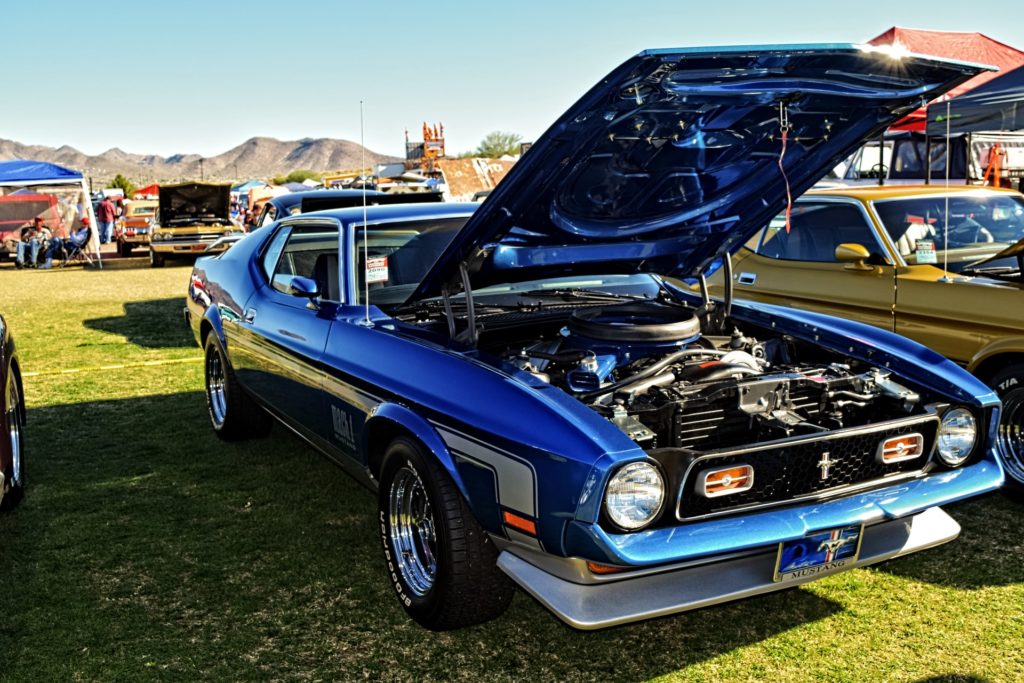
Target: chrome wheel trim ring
<point>14,431</point>
<point>1011,434</point>
<point>215,392</point>
<point>412,536</point>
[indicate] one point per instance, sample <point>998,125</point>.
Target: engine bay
<point>654,371</point>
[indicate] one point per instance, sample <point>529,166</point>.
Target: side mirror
<point>855,256</point>
<point>305,287</point>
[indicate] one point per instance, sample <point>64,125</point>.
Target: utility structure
<point>427,151</point>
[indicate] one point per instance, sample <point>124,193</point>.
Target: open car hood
<point>198,201</point>
<point>673,159</point>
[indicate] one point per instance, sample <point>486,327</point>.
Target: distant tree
<point>499,143</point>
<point>297,176</point>
<point>123,183</point>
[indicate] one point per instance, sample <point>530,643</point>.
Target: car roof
<point>866,193</point>
<point>394,212</point>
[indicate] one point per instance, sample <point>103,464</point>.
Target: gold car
<point>888,256</point>
<point>194,220</point>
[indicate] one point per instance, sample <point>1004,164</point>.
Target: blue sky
<point>190,76</point>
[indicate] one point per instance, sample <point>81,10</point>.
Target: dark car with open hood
<point>539,401</point>
<point>12,412</point>
<point>191,219</point>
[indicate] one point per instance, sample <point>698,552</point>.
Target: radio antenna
<point>366,228</point>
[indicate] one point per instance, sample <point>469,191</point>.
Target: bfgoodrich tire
<point>13,426</point>
<point>1009,384</point>
<point>441,564</point>
<point>233,414</point>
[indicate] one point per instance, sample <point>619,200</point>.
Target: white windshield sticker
<point>377,270</point>
<point>925,251</point>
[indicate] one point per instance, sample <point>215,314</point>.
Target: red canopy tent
<point>147,192</point>
<point>967,47</point>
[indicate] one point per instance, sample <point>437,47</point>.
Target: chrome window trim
<point>301,220</point>
<point>931,416</point>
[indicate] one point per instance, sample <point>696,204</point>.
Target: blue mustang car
<point>543,394</point>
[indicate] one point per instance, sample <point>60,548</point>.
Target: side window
<point>815,232</point>
<point>273,253</point>
<point>269,211</point>
<point>307,251</point>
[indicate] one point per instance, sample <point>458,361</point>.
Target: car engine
<point>650,370</point>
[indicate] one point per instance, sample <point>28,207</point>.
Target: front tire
<point>14,423</point>
<point>156,260</point>
<point>441,564</point>
<point>1009,384</point>
<point>124,249</point>
<point>233,414</point>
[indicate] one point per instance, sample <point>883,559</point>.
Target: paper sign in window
<point>925,251</point>
<point>377,270</point>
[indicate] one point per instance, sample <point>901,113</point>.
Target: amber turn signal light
<point>900,448</point>
<point>725,481</point>
<point>518,523</point>
<point>596,568</point>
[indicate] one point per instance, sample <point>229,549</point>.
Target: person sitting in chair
<point>77,239</point>
<point>33,240</point>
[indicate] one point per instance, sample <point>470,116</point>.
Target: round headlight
<point>957,435</point>
<point>635,496</point>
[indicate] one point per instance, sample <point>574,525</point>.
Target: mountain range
<point>257,157</point>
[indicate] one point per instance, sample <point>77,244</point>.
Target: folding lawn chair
<point>78,254</point>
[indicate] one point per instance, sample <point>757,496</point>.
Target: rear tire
<point>233,414</point>
<point>156,260</point>
<point>441,564</point>
<point>14,423</point>
<point>1009,384</point>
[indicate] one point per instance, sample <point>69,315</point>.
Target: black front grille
<point>785,472</point>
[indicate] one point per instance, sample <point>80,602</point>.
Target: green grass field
<point>148,550</point>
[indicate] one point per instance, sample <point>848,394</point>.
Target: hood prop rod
<point>470,307</point>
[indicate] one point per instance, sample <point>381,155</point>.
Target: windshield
<point>979,225</point>
<point>398,255</point>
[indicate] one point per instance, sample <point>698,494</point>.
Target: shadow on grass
<point>155,324</point>
<point>146,545</point>
<point>987,553</point>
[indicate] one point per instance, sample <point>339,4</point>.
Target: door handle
<point>250,316</point>
<point>746,278</point>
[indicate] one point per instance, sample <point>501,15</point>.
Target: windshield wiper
<point>581,293</point>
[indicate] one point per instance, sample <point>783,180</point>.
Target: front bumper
<point>704,583</point>
<point>172,247</point>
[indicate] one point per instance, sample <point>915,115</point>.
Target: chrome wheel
<point>1011,434</point>
<point>14,432</point>
<point>412,536</point>
<point>215,381</point>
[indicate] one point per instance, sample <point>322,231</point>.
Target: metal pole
<point>881,159</point>
<point>927,159</point>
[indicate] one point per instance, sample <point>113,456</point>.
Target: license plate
<point>819,553</point>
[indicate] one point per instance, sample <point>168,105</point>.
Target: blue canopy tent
<point>995,106</point>
<point>41,177</point>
